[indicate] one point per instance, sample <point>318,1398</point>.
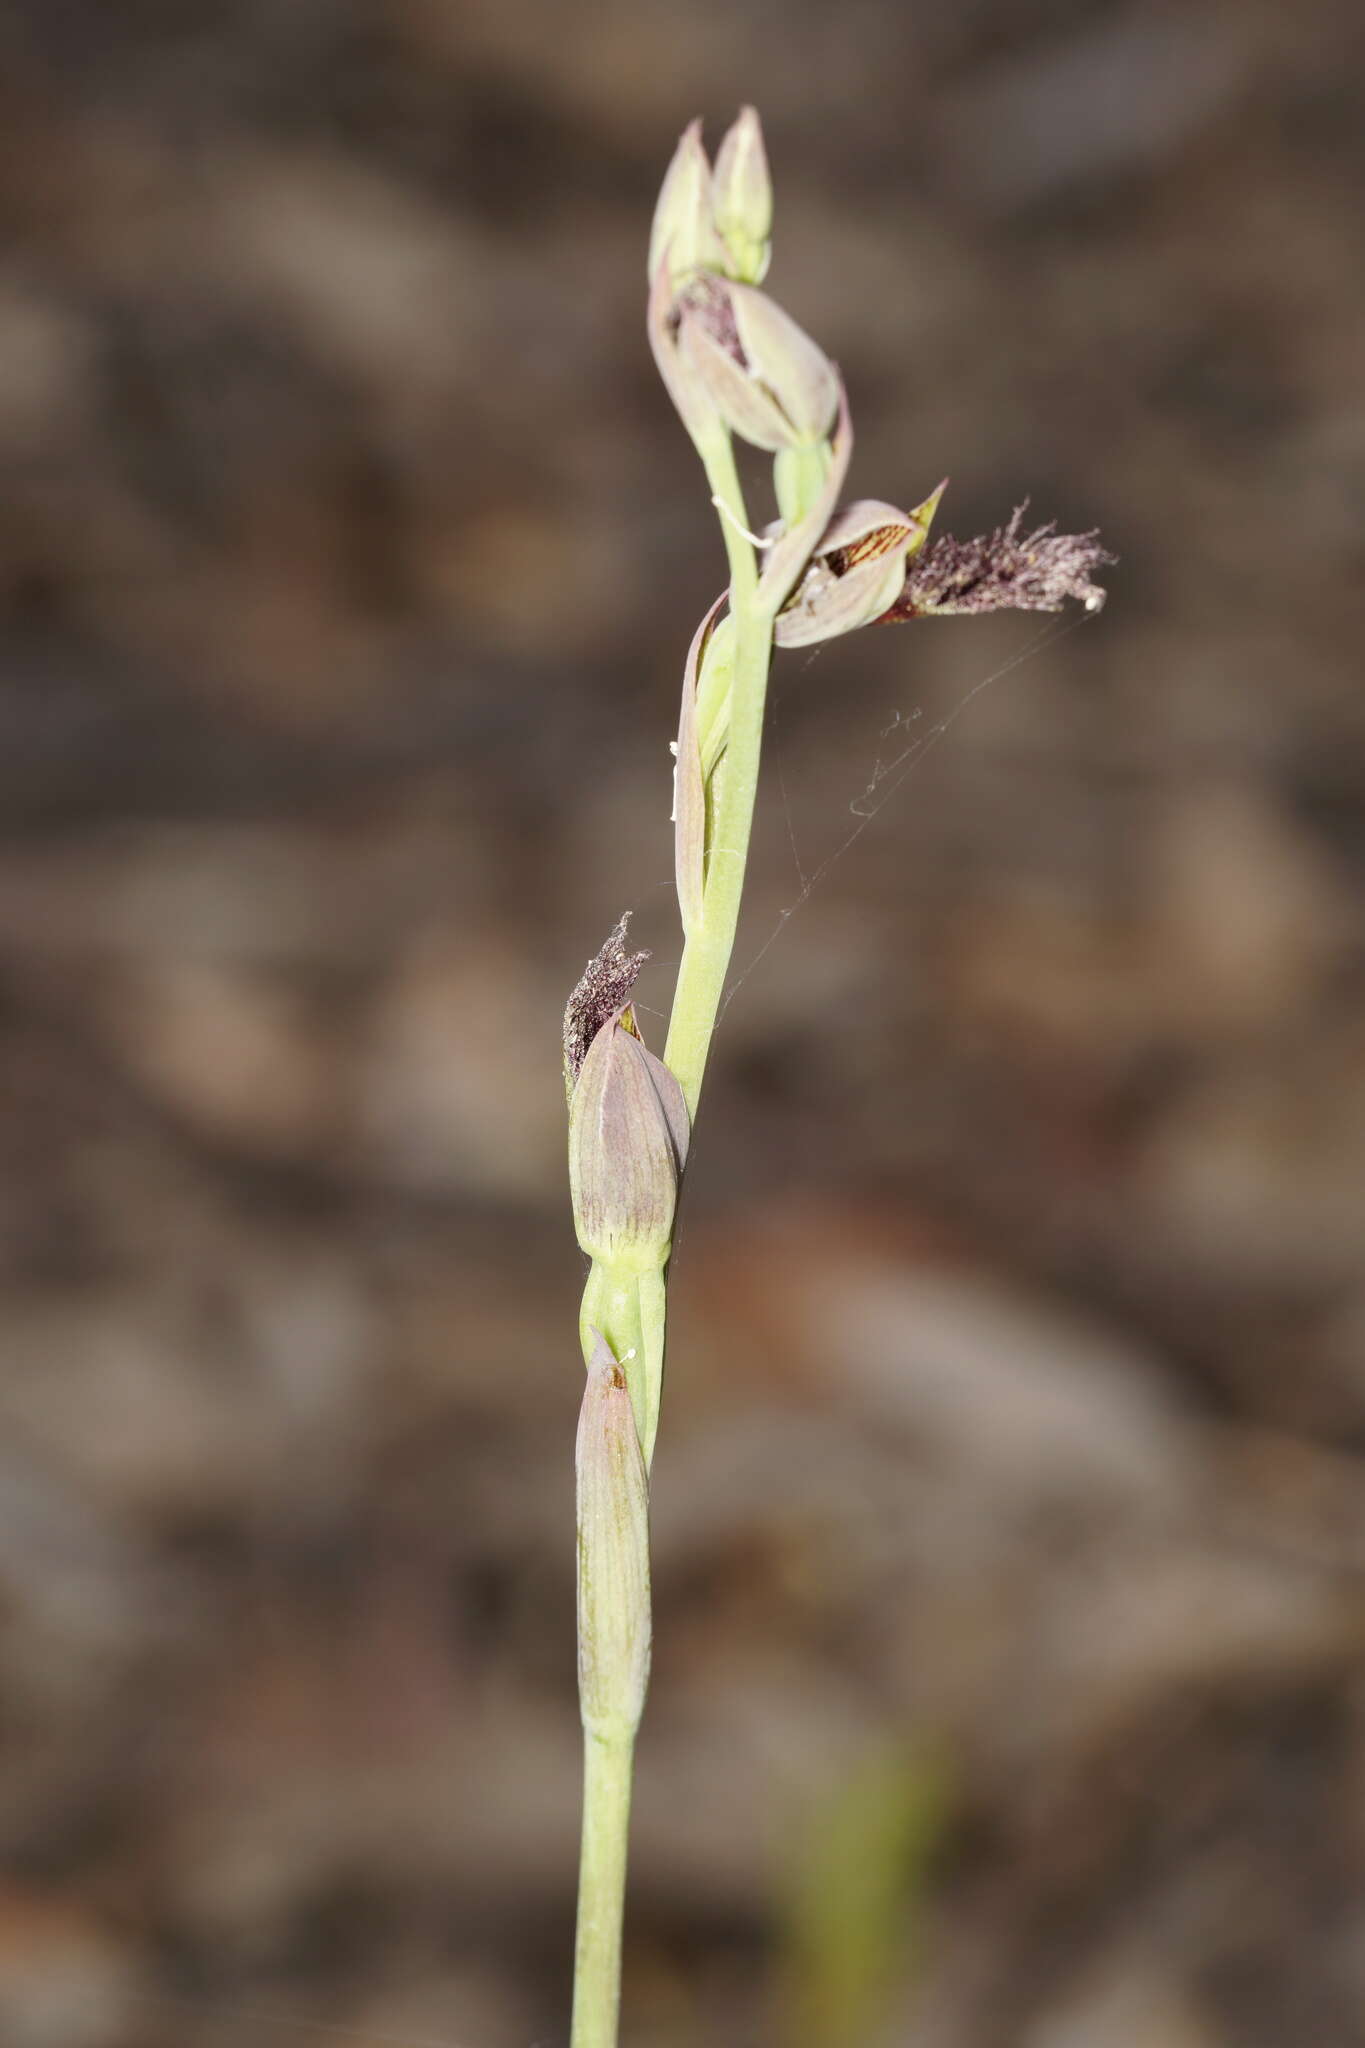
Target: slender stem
<point>718,456</point>
<point>652,1302</point>
<point>601,1890</point>
<point>706,955</point>
<point>636,1311</point>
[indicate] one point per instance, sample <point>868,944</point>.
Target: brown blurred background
<point>1010,1680</point>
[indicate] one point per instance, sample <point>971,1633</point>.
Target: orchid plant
<point>736,366</point>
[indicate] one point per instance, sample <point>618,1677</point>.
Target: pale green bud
<point>628,1135</point>
<point>742,198</point>
<point>684,231</point>
<point>613,1554</point>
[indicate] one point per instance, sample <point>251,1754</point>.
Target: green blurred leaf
<point>855,1896</point>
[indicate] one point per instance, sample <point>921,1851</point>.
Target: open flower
<point>856,571</point>
<point>871,567</point>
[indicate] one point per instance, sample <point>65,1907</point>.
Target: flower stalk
<point>736,366</point>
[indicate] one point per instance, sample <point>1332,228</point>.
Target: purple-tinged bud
<point>764,375</point>
<point>613,1554</point>
<point>628,1136</point>
<point>742,198</point>
<point>713,367</point>
<point>684,233</point>
<point>855,573</point>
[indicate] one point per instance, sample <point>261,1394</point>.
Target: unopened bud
<point>683,230</point>
<point>782,355</point>
<point>628,1134</point>
<point>714,372</point>
<point>613,1554</point>
<point>855,574</point>
<point>769,381</point>
<point>742,198</point>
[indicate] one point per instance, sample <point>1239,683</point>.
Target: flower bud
<point>715,372</point>
<point>684,232</point>
<point>742,198</point>
<point>767,379</point>
<point>855,574</point>
<point>628,1134</point>
<point>782,355</point>
<point>613,1554</point>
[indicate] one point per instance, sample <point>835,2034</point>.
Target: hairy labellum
<point>1003,571</point>
<point>603,989</point>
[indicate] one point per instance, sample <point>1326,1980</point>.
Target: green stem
<point>601,1890</point>
<point>631,1310</point>
<point>718,457</point>
<point>706,955</point>
<point>652,1300</point>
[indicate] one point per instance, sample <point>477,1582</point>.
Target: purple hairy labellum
<point>603,989</point>
<point>1007,570</point>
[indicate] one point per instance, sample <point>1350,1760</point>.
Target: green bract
<point>613,1554</point>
